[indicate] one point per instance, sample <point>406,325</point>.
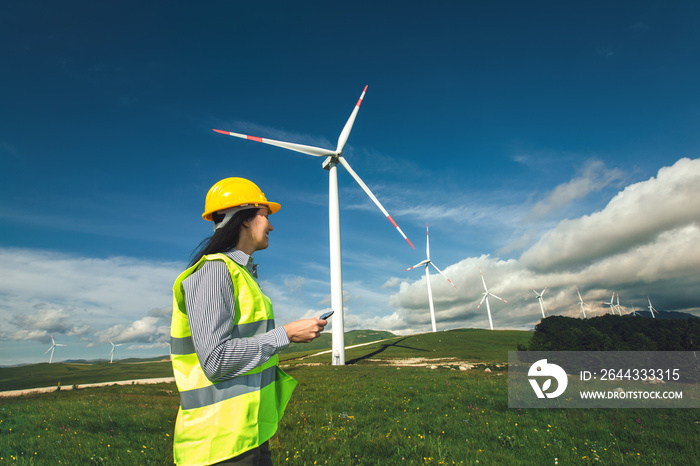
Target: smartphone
<point>326,315</point>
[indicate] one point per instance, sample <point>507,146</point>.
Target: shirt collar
<point>244,260</point>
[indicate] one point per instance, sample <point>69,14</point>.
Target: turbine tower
<point>111,353</point>
<point>53,347</point>
<point>333,157</point>
<point>426,263</point>
<point>539,298</point>
<point>651,308</point>
<point>485,297</point>
<point>582,304</point>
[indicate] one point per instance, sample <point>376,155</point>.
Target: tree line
<point>614,333</point>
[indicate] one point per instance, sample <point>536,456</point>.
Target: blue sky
<point>549,143</point>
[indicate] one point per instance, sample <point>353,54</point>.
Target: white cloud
<point>44,321</point>
<point>393,282</point>
<point>294,284</point>
<point>593,177</point>
<point>634,217</point>
<point>145,330</point>
<point>44,292</point>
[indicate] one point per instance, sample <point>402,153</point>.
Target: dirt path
<point>13,393</point>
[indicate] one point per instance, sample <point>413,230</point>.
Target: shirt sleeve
<point>210,310</point>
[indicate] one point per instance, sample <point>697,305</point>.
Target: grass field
<point>369,412</point>
<point>68,374</point>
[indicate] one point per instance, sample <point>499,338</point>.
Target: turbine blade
<point>371,196</point>
<point>417,265</point>
<point>440,272</point>
<point>348,125</point>
<point>48,350</point>
<point>498,298</point>
<point>482,301</point>
<point>482,279</point>
<point>304,149</point>
<point>427,242</point>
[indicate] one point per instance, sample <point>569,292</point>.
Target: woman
<point>224,342</point>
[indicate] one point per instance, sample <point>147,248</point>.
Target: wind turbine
<point>582,304</point>
<point>53,347</point>
<point>111,353</point>
<point>651,308</point>
<point>170,349</point>
<point>333,157</point>
<point>486,294</point>
<point>539,298</point>
<point>619,309</point>
<point>634,311</point>
<point>611,304</point>
<point>426,263</point>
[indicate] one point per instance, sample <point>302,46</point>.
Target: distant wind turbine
<point>485,297</point>
<point>539,298</point>
<point>169,347</point>
<point>111,353</point>
<point>53,347</point>
<point>611,304</point>
<point>581,303</point>
<point>617,306</point>
<point>651,308</point>
<point>426,263</point>
<point>634,311</point>
<point>333,157</point>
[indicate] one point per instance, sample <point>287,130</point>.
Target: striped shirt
<point>210,311</point>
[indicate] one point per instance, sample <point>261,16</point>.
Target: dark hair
<point>224,239</point>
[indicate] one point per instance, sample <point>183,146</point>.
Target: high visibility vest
<point>219,420</point>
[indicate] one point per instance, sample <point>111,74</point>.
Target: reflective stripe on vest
<point>226,389</point>
<point>220,420</point>
<point>186,346</point>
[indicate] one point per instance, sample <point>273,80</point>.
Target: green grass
<point>358,415</point>
<point>50,375</point>
<point>323,342</point>
<point>362,414</point>
<point>115,425</point>
<point>473,345</point>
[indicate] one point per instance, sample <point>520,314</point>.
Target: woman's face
<point>254,235</point>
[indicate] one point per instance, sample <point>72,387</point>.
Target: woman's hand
<point>305,330</point>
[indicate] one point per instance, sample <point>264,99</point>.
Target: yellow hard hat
<point>235,192</point>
